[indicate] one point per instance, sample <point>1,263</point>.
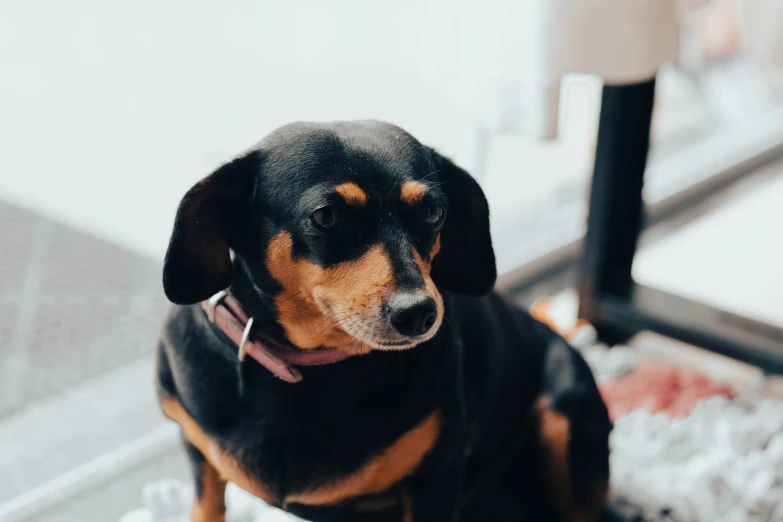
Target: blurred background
<point>110,111</point>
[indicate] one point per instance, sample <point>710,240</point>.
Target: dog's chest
<point>328,472</point>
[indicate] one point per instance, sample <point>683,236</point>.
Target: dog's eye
<point>327,217</point>
<point>432,214</point>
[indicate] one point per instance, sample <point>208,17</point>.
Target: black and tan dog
<point>386,381</point>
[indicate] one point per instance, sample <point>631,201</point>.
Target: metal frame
<point>608,296</point>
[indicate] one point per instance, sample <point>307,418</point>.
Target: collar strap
<point>228,314</point>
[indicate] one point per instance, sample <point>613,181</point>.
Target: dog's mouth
<point>398,345</point>
<point>392,344</point>
<point>372,327</point>
<point>379,335</point>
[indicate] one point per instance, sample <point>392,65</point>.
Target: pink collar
<point>229,315</point>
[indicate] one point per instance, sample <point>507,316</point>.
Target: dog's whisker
<point>355,330</point>
<point>336,313</point>
<point>292,296</point>
<point>355,337</point>
<point>338,321</point>
<point>329,315</point>
<point>431,174</point>
<point>301,303</point>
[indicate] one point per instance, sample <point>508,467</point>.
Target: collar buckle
<point>212,304</point>
<point>242,351</point>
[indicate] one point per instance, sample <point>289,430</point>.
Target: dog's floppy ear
<point>466,260</point>
<point>198,262</point>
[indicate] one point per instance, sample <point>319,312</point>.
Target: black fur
<point>483,370</point>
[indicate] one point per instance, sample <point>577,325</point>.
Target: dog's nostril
<point>404,322</point>
<point>412,314</point>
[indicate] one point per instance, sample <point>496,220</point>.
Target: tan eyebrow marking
<point>352,193</point>
<point>412,192</point>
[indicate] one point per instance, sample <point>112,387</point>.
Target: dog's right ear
<point>466,261</point>
<point>198,261</point>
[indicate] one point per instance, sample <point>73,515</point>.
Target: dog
<point>336,348</point>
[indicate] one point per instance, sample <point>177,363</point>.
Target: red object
<point>658,387</point>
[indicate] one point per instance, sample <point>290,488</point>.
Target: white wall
<point>110,110</point>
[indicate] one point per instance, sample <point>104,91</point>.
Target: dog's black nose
<point>412,314</point>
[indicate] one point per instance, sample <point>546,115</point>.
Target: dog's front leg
<point>209,489</point>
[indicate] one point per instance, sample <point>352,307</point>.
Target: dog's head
<point>353,229</point>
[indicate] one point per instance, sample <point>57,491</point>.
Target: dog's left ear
<point>198,261</point>
<point>466,261</point>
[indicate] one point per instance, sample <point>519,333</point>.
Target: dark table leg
<point>616,206</point>
<point>608,296</point>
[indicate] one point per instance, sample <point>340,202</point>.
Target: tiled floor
<point>79,320</point>
<point>73,307</point>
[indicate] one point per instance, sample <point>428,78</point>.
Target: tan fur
<point>226,466</point>
<point>429,285</point>
<point>316,299</point>
<point>412,192</point>
<point>335,307</point>
<point>382,472</point>
<point>407,506</point>
<point>352,194</point>
<point>435,248</point>
<point>554,431</point>
<point>211,507</point>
